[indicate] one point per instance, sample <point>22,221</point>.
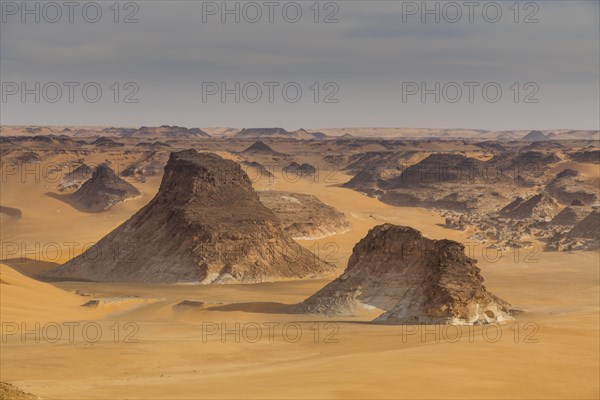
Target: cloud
<point>369,52</point>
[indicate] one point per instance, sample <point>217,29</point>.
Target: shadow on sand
<point>257,308</point>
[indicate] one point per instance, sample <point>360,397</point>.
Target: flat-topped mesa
<point>206,224</point>
<point>203,181</point>
<point>413,279</point>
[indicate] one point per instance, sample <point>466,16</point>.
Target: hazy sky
<point>366,61</point>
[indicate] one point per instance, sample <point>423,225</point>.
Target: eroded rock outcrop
<point>75,178</point>
<point>299,170</point>
<point>102,191</point>
<point>539,207</point>
<point>570,216</point>
<point>568,186</point>
<point>261,148</point>
<point>413,279</point>
<point>206,224</point>
<point>583,236</point>
<point>304,216</point>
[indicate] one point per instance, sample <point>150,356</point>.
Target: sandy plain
<point>149,348</point>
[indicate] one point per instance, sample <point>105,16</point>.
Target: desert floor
<point>148,349</point>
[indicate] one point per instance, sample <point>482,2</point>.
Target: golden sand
<point>151,349</point>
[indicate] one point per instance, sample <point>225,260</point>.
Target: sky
<point>491,65</point>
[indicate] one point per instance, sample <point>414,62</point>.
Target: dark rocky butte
<point>206,224</point>
<point>103,190</point>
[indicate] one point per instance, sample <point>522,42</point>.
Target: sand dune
<point>25,299</point>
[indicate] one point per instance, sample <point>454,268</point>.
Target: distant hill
<point>535,136</point>
<point>300,134</point>
<point>260,147</point>
<point>166,131</point>
<point>103,190</point>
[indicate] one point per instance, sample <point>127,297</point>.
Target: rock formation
<point>588,228</point>
<point>587,156</point>
<point>260,147</point>
<point>535,136</point>
<point>263,132</point>
<point>104,141</point>
<point>294,169</point>
<point>413,279</point>
<point>304,216</point>
<point>28,157</point>
<point>205,224</point>
<point>260,171</point>
<point>570,216</point>
<point>102,191</point>
<point>150,164</point>
<point>539,207</point>
<point>12,392</point>
<point>166,131</point>
<point>75,178</point>
<point>568,186</point>
<point>300,134</point>
<point>583,236</point>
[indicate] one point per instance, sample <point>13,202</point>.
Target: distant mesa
<point>449,180</point>
<point>205,224</point>
<point>262,132</point>
<point>586,156</point>
<point>412,279</point>
<point>102,191</point>
<point>166,131</point>
<point>443,173</point>
<point>535,136</point>
<point>437,168</point>
<point>300,134</point>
